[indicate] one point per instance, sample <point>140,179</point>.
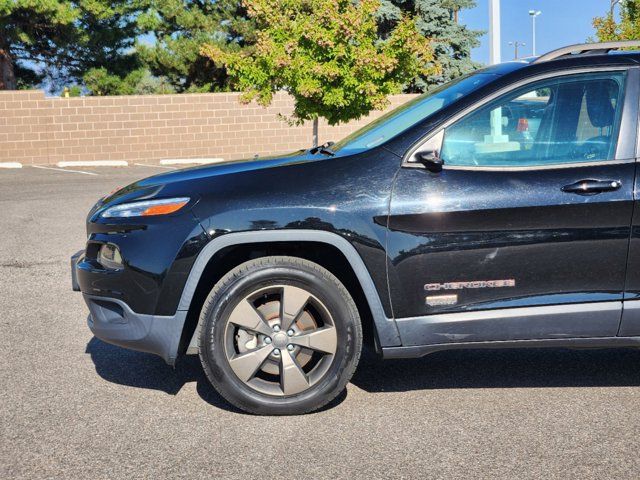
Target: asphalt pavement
<point>72,406</point>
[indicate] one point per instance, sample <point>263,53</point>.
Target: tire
<point>264,369</point>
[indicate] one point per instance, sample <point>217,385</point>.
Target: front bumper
<point>113,321</point>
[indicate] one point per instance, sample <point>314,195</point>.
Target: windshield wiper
<point>324,149</point>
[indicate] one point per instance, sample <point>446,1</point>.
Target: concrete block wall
<point>35,129</point>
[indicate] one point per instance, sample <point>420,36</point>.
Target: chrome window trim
<point>628,113</point>
<point>633,88</point>
<point>551,166</point>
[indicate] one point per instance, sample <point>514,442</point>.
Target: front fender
<point>386,328</point>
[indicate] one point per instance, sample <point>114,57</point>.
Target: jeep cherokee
<point>497,211</point>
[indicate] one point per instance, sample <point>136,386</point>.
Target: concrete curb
<point>190,161</point>
<point>10,165</point>
<point>93,163</point>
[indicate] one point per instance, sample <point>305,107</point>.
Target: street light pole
<point>517,44</point>
<point>534,14</point>
<point>496,135</point>
<point>494,31</point>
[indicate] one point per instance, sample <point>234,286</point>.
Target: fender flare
<point>386,328</point>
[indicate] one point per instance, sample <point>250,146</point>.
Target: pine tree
<point>62,39</point>
<point>33,32</point>
<point>108,32</point>
<point>180,28</point>
<point>438,21</point>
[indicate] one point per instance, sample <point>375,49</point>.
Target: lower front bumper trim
<point>113,321</point>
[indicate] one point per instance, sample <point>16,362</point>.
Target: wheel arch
<point>227,251</point>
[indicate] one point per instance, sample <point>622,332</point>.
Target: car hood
<point>153,186</point>
<point>228,168</point>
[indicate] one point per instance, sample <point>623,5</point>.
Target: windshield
<point>407,115</point>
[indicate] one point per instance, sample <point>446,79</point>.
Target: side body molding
<point>386,328</point>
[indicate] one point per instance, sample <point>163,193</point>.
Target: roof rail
<point>587,49</point>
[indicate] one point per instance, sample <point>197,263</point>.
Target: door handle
<point>592,187</point>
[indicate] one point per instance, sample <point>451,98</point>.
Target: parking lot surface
<point>72,406</point>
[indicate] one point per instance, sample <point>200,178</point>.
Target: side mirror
<point>430,160</point>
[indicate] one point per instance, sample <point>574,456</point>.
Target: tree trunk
<point>315,132</point>
<point>7,74</point>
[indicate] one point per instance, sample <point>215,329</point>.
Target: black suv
<point>496,211</point>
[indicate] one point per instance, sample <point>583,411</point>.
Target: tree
<point>327,55</point>
<point>628,28</point>
<point>99,81</point>
<point>107,35</point>
<point>179,28</point>
<point>63,39</point>
<point>33,31</point>
<point>437,20</point>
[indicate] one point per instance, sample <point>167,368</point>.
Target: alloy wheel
<point>280,340</point>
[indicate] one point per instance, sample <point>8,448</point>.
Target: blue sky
<point>563,22</point>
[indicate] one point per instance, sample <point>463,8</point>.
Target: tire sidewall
<point>336,300</point>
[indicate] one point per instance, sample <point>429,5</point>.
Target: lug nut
<point>267,340</point>
<point>290,332</point>
<point>276,328</point>
<point>276,351</point>
<point>290,347</point>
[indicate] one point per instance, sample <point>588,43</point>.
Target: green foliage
<point>138,46</point>
<point>72,91</point>
<point>628,28</point>
<point>327,55</point>
<point>25,77</point>
<point>436,20</point>
<point>108,30</point>
<point>62,39</point>
<point>100,82</point>
<point>138,82</point>
<point>34,31</point>
<point>148,84</point>
<point>180,28</point>
<point>75,91</point>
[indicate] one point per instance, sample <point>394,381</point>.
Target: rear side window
<point>570,119</point>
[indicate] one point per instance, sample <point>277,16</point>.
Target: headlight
<point>146,208</point>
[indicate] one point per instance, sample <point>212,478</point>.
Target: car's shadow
<point>524,368</point>
<point>512,368</point>
<point>144,370</point>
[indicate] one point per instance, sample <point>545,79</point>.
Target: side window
<point>568,119</point>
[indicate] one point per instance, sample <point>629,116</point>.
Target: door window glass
<point>569,119</point>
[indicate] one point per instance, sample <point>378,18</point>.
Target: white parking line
<point>154,166</point>
<point>64,170</point>
<point>10,165</point>
<point>93,163</point>
<point>190,161</point>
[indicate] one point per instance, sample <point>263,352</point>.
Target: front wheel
<point>279,336</point>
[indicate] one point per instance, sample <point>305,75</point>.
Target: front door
<point>524,234</point>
